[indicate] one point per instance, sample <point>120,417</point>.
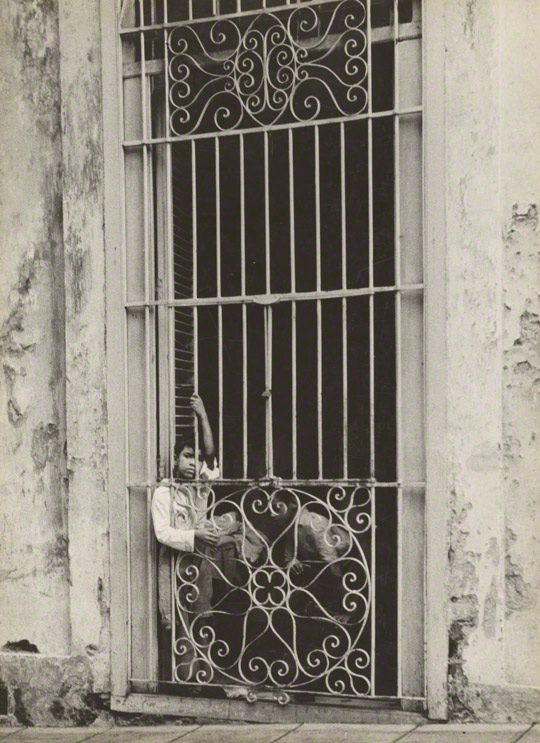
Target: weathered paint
<point>33,495</point>
<point>54,525</point>
<point>474,260</point>
<point>86,412</point>
<point>493,332</point>
<point>521,376</point>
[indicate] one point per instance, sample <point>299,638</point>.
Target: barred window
<point>273,259</point>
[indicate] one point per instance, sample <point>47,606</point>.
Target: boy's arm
<point>207,436</point>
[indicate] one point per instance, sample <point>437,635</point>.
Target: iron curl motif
<point>295,65</point>
<point>284,598</point>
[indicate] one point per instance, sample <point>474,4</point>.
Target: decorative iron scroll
<point>246,71</point>
<point>248,614</point>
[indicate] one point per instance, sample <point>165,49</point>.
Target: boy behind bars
<point>181,525</point>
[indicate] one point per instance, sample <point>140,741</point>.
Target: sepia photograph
<point>270,388</point>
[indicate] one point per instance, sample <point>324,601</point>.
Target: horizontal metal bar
<point>130,30</point>
<point>266,299</point>
<point>325,697</point>
<point>130,144</point>
<point>279,482</point>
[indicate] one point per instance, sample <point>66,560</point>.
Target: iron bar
<point>371,358</point>
<point>370,248</point>
<point>244,308</point>
<point>130,30</point>
<point>268,382</point>
<point>266,214</point>
<point>279,482</point>
<point>195,292</point>
<point>319,309</point>
<point>344,358</point>
<point>219,307</point>
<point>410,111</point>
<point>292,235</point>
<point>142,686</point>
<point>265,299</point>
<point>397,278</point>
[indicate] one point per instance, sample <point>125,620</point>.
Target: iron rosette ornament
<point>249,71</point>
<point>246,613</point>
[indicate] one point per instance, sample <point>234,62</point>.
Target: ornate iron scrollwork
<point>248,616</point>
<point>294,65</point>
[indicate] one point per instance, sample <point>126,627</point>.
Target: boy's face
<point>186,463</point>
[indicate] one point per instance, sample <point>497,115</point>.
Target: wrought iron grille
<point>273,261</point>
<point>297,64</point>
<point>246,619</point>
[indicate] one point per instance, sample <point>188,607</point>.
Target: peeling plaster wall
<point>493,359</point>
<point>54,623</point>
<point>474,329</point>
<point>520,206</point>
<point>86,410</point>
<point>34,573</point>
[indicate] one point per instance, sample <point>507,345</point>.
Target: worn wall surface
<point>54,639</point>
<point>33,493</point>
<point>493,378</point>
<point>520,158</point>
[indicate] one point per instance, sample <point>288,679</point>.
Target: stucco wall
<point>33,490</point>
<point>53,482</point>
<point>493,332</point>
<point>520,192</point>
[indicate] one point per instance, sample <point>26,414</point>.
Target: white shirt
<point>178,510</point>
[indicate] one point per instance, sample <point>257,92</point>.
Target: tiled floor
<point>306,733</point>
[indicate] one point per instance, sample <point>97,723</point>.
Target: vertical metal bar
<point>344,360</point>
<point>171,324</point>
<point>220,307</point>
<point>371,283</point>
<point>397,272</point>
<point>173,611</point>
<point>267,315</point>
<point>268,352</point>
<point>319,307</point>
<point>293,306</point>
<point>190,9</point>
<point>244,308</point>
<point>371,357</point>
<point>195,309</point>
<point>373,643</point>
<point>170,259</point>
<point>266,213</point>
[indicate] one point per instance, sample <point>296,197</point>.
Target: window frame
<point>435,377</point>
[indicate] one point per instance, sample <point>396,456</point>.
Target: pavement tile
<point>50,735</point>
<point>163,734</point>
<point>343,733</point>
<point>533,736</point>
<point>238,733</point>
<point>475,733</point>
